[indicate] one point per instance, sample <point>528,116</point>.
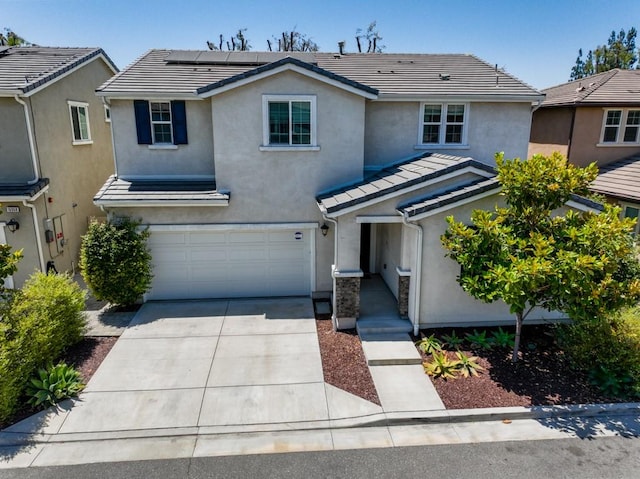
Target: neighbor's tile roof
<point>117,190</point>
<point>8,190</point>
<point>391,74</point>
<point>620,179</point>
<point>613,87</point>
<point>23,69</point>
<point>420,169</point>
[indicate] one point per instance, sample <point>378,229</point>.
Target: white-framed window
<point>443,124</point>
<point>633,212</point>
<point>620,127</point>
<point>107,114</point>
<point>289,122</point>
<point>161,130</point>
<point>80,130</point>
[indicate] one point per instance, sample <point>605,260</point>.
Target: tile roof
<point>391,74</point>
<point>620,179</point>
<point>613,87</point>
<point>19,191</point>
<point>23,69</point>
<point>449,197</point>
<point>396,177</point>
<point>123,192</point>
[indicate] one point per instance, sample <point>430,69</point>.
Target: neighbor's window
<point>620,126</point>
<point>443,124</point>
<point>289,121</point>
<point>633,212</point>
<point>161,122</point>
<point>79,113</point>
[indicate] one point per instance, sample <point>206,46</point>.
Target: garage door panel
<point>230,264</point>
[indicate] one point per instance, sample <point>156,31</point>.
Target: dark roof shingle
<point>620,179</point>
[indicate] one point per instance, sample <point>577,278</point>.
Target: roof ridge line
<point>608,75</point>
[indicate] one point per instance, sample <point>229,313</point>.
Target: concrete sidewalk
<point>205,378</point>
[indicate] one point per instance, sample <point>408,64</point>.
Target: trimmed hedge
<point>37,324</point>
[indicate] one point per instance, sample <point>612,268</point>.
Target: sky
<point>534,40</point>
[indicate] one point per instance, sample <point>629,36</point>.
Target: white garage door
<point>230,264</point>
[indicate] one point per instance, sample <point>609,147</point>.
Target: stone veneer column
<point>404,282</point>
<point>346,287</point>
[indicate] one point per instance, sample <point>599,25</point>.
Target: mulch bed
<point>85,356</point>
<point>343,361</point>
<point>540,377</point>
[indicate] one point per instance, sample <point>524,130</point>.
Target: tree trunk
<point>516,342</point>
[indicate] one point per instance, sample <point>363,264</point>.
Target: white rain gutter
<point>418,273</point>
<point>32,145</point>
<point>333,270</point>
<point>36,226</point>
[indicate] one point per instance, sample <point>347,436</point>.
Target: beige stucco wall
<point>192,159</point>
<point>586,136</point>
<point>75,172</point>
<point>15,155</point>
<point>550,131</point>
<point>392,130</point>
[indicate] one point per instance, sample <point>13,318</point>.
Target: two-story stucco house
<point>55,151</point>
<point>271,174</point>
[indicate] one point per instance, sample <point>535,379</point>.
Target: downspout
<point>32,145</point>
<point>333,270</point>
<point>36,226</point>
<point>113,140</point>
<point>418,275</point>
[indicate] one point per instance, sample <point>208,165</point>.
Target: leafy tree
<point>529,254</point>
<point>115,261</point>
<point>371,37</point>
<point>293,41</point>
<point>238,42</point>
<point>619,52</point>
<point>8,261</point>
<point>11,39</point>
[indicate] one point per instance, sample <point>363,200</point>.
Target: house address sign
<point>12,209</point>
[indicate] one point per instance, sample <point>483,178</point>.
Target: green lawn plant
<point>53,384</point>
<point>38,323</point>
<point>535,252</point>
<point>115,261</point>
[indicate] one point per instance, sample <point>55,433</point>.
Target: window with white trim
<point>620,126</point>
<point>289,121</point>
<point>633,212</point>
<point>161,122</point>
<point>443,123</point>
<point>79,114</point>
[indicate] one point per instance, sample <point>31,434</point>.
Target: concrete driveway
<point>215,366</point>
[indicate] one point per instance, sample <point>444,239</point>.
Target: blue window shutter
<point>179,122</point>
<point>143,122</point>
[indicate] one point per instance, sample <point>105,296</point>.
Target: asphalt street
<point>607,457</point>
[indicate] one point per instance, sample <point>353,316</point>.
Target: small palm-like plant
<point>467,365</point>
<point>452,340</point>
<point>478,339</point>
<point>430,344</point>
<point>502,339</point>
<point>53,384</point>
<point>441,366</point>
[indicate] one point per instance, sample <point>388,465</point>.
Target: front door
<point>365,248</point>
<point>8,281</point>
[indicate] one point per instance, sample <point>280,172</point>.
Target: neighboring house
<point>55,151</point>
<point>271,174</point>
<point>595,119</point>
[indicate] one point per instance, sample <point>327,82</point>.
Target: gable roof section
<point>620,179</point>
<point>396,76</point>
<point>122,193</point>
<point>398,179</point>
<point>613,87</point>
<point>19,192</point>
<point>23,70</point>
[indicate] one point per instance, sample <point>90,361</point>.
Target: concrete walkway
<point>189,379</point>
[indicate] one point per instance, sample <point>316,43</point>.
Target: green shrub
<point>38,324</point>
<point>608,349</point>
<point>429,344</point>
<point>53,384</point>
<point>115,261</point>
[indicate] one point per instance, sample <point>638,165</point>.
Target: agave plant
<point>478,339</point>
<point>452,340</point>
<point>441,366</point>
<point>467,365</point>
<point>53,384</point>
<point>430,344</point>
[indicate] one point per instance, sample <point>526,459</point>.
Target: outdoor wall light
<point>13,225</point>
<point>325,229</point>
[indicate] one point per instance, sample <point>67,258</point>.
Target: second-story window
<point>443,124</point>
<point>289,121</point>
<point>161,121</point>
<point>620,126</point>
<point>79,113</point>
